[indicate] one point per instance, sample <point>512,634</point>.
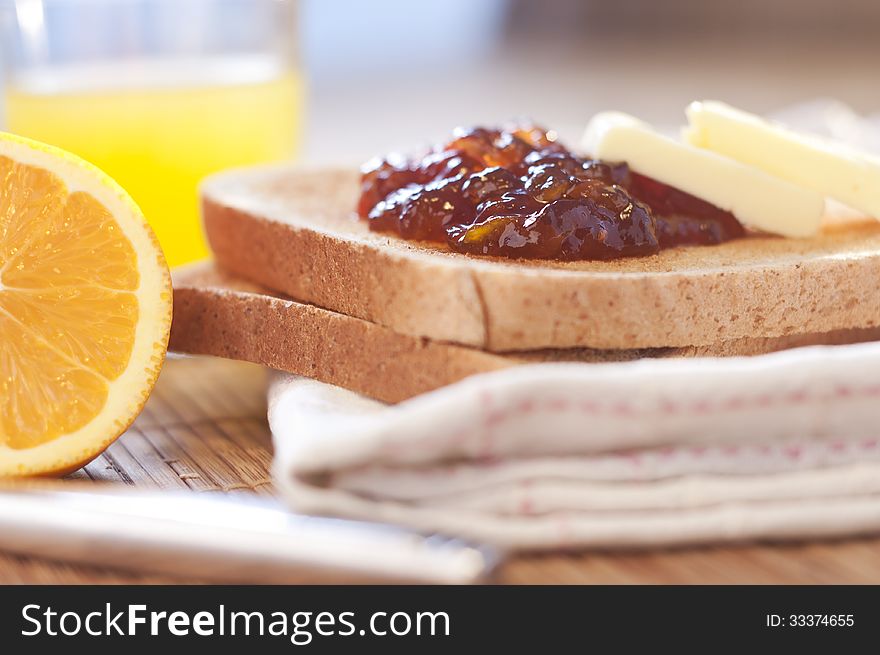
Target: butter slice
<point>827,167</point>
<point>757,199</point>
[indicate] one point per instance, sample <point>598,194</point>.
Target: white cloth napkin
<point>549,456</point>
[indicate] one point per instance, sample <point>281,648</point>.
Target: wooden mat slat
<point>204,429</point>
<point>158,468</point>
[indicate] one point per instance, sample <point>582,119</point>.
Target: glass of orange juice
<point>157,93</point>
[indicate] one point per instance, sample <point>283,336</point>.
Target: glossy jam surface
<point>516,192</point>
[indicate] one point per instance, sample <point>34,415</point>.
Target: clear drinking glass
<point>157,93</point>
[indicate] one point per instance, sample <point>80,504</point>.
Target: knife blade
<point>228,538</point>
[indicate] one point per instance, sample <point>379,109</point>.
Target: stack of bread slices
<point>299,283</point>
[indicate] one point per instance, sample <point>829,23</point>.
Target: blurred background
<point>162,92</point>
<point>423,67</point>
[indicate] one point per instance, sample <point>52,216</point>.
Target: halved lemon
<point>85,309</point>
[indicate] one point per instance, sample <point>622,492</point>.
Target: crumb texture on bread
<point>295,231</point>
<point>218,314</point>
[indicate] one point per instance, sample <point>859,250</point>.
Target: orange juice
<point>158,128</point>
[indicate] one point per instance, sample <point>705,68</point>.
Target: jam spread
<point>517,192</point>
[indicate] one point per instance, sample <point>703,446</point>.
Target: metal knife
<point>229,538</point>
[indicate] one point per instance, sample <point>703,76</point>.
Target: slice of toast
<point>218,314</point>
<point>295,231</point>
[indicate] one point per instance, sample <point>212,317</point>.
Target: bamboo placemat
<point>204,429</point>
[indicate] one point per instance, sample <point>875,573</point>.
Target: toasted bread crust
<point>294,231</point>
<point>217,314</point>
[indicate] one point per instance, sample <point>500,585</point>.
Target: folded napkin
<point>645,453</point>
